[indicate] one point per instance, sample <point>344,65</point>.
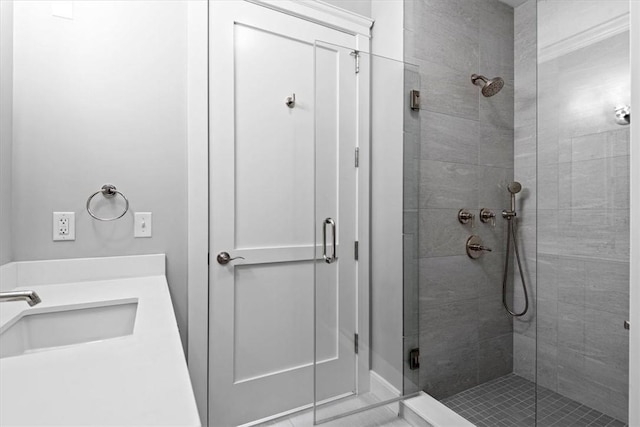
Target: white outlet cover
<point>70,232</point>
<point>142,224</point>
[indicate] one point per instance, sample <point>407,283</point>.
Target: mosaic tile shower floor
<point>509,401</point>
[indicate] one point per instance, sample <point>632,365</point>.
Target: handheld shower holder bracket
<point>508,214</point>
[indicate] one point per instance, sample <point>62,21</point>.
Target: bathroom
<point>212,244</point>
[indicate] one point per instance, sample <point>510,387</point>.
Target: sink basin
<point>64,326</point>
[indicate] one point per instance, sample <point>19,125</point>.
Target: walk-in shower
<point>537,336</point>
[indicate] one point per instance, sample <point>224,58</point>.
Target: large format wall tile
<point>524,356</point>
<point>594,233</point>
<point>598,183</point>
<point>445,373</point>
<point>449,278</point>
<point>493,319</point>
<point>451,139</point>
<point>449,33</point>
<point>495,357</point>
<point>447,91</point>
<point>452,325</point>
<point>448,185</point>
<point>496,145</point>
<point>605,338</point>
<point>547,365</point>
<point>492,187</point>
<point>441,234</point>
<point>607,286</point>
<point>613,143</point>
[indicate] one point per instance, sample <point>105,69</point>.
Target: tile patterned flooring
<point>509,401</point>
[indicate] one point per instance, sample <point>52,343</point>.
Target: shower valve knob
<point>464,216</point>
<point>489,216</point>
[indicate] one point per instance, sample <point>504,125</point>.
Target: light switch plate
<point>64,226</point>
<point>142,224</point>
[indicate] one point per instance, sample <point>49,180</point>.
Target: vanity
<point>101,348</point>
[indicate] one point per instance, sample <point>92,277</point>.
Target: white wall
<point>102,98</point>
<point>387,192</point>
<point>6,127</point>
<point>361,7</point>
<point>634,358</point>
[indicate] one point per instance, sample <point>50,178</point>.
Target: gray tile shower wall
<point>465,161</point>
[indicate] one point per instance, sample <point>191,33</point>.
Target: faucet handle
<point>487,215</point>
<point>464,216</point>
<point>475,248</point>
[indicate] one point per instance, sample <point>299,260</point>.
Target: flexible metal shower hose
<point>511,233</point>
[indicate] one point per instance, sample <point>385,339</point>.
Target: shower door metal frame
<point>361,163</point>
<point>634,332</point>
<point>368,129</point>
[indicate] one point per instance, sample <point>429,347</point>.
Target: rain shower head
<point>490,87</point>
<point>514,187</point>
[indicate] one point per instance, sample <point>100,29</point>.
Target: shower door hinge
<point>357,162</point>
<point>356,253</point>
<point>355,343</point>
<point>414,359</point>
<point>356,56</point>
<point>414,100</point>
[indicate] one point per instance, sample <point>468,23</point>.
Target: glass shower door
<point>359,125</point>
<point>583,210</point>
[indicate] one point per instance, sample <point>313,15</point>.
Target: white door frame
<point>198,201</point>
<point>198,180</point>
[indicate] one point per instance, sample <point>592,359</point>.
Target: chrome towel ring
<point>109,191</point>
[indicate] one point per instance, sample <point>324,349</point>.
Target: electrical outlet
<point>64,226</point>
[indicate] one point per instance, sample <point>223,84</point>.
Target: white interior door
<point>263,209</point>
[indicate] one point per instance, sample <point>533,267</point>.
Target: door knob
<point>224,258</point>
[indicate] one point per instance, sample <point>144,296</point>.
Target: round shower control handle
<point>224,258</point>
<point>475,249</point>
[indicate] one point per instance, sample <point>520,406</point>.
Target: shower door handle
<point>333,257</point>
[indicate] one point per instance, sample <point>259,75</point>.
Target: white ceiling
<point>513,3</point>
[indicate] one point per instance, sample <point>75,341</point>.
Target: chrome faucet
<point>31,297</point>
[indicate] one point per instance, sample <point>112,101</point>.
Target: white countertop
<point>134,380</point>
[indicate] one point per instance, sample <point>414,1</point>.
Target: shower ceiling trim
<point>582,39</point>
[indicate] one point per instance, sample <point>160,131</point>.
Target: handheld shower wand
<point>514,188</point>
